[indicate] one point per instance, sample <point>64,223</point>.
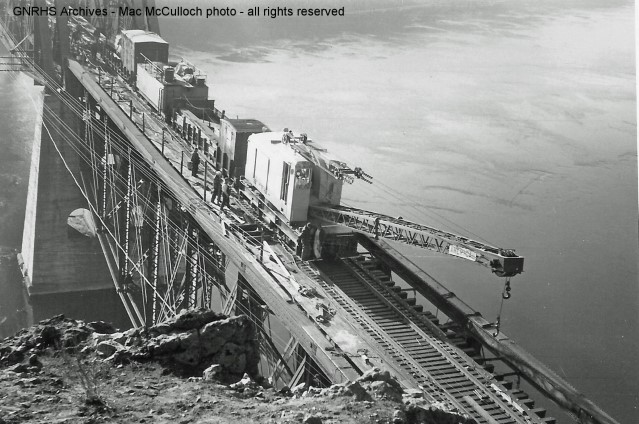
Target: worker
<point>226,194</point>
<point>195,162</point>
<point>95,45</point>
<point>304,242</point>
<point>217,188</point>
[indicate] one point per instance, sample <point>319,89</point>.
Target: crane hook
<point>506,293</point>
<point>497,325</point>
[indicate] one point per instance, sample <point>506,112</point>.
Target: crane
<point>502,262</point>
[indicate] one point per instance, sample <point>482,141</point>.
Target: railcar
<point>165,84</point>
<point>280,174</point>
<point>138,46</point>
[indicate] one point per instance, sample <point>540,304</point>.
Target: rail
<point>434,363</point>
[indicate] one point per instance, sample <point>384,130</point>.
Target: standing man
<point>304,242</point>
<point>195,162</point>
<point>217,187</point>
<point>226,194</point>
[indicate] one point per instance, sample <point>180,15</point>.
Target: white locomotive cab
<point>280,174</point>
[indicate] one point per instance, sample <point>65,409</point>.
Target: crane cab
<point>280,174</point>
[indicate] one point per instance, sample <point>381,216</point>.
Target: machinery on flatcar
<point>292,173</point>
<point>281,175</point>
<point>284,176</point>
<point>164,84</point>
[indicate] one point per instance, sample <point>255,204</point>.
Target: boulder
<point>101,327</point>
<point>312,419</point>
<point>192,318</point>
<point>299,389</point>
<point>246,385</point>
<point>399,417</point>
<point>107,348</point>
<point>49,335</point>
<point>355,389</point>
<point>212,373</point>
<point>375,374</point>
<point>19,369</point>
<point>34,361</point>
<point>437,412</point>
<point>72,337</point>
<point>385,390</point>
<point>13,357</point>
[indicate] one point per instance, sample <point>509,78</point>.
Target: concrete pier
<point>64,271</point>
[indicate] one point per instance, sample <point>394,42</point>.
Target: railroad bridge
<point>116,225</point>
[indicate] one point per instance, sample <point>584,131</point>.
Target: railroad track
<point>413,339</point>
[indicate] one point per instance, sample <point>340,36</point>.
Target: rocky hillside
<point>201,367</point>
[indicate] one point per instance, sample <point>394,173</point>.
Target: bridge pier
<point>64,271</point>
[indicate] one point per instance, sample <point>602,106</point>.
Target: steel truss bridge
<point>167,248</point>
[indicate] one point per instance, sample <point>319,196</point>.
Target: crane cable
<point>505,295</point>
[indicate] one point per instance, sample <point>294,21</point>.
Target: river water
<point>513,123</point>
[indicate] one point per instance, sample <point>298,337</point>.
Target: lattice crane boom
<point>503,262</point>
<point>323,160</point>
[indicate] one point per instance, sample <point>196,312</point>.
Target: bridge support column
<point>65,271</point>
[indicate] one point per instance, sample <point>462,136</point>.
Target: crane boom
<point>323,160</point>
<point>503,262</point>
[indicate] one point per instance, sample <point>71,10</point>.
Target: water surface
<point>515,123</point>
